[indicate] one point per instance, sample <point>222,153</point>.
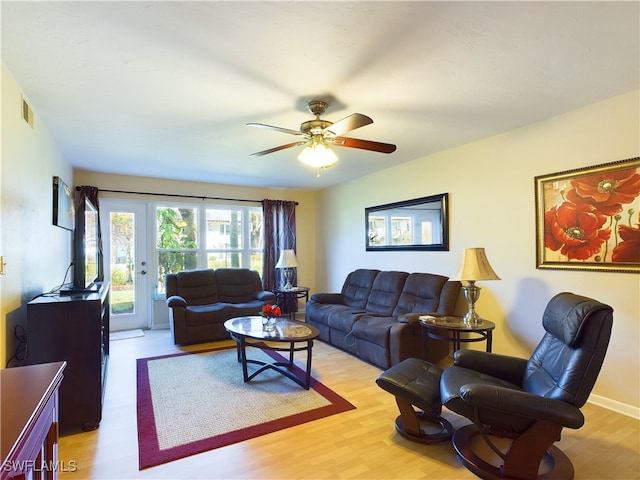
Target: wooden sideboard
<point>74,329</point>
<point>29,419</point>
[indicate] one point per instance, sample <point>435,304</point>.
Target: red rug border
<point>149,453</point>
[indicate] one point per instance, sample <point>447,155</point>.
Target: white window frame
<point>202,251</point>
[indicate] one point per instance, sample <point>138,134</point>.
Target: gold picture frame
<point>589,218</point>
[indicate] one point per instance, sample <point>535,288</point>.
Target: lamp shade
<point>475,266</point>
<point>318,154</point>
<point>287,259</point>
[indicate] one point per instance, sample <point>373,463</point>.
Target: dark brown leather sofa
<point>375,316</point>
<point>200,301</point>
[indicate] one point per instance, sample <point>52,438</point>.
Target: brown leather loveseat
<point>375,317</point>
<point>200,301</point>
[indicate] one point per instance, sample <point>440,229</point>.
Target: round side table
<point>288,299</point>
<point>450,328</point>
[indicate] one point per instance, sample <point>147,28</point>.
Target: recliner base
<point>422,434</point>
<point>417,382</point>
<point>475,454</point>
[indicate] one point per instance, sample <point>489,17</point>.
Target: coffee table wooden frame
<point>248,332</point>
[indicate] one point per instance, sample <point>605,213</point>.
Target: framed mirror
<point>418,224</point>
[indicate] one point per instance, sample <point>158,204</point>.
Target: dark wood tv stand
<point>75,329</point>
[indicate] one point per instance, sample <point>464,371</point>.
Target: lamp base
<point>288,274</point>
<point>472,318</point>
<point>471,293</point>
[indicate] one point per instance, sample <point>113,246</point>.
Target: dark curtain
<point>92,194</point>
<point>279,234</point>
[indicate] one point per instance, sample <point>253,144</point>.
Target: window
<point>377,229</point>
<point>401,231</point>
<point>231,238</point>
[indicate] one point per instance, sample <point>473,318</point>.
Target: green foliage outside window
<point>177,240</point>
<point>225,238</point>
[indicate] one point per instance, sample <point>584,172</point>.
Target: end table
<point>450,328</point>
<point>288,299</point>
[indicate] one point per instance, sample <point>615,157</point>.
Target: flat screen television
<point>86,252</point>
<point>64,214</point>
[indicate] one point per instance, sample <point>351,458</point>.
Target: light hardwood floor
<point>360,444</point>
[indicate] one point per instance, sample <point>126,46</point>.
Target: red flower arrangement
<point>271,311</point>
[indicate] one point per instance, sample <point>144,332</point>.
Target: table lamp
<point>474,267</point>
<point>288,261</point>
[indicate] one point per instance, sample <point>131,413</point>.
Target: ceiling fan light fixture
<point>317,154</point>
<point>318,134</point>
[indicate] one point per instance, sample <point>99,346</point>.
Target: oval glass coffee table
<point>249,332</point>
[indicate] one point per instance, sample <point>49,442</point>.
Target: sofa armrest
<point>503,367</point>
<point>410,318</point>
<point>449,297</point>
<point>327,298</point>
<point>265,296</point>
<point>176,301</point>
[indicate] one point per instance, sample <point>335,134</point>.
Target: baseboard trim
<point>619,407</point>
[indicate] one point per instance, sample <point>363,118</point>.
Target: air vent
<point>27,113</point>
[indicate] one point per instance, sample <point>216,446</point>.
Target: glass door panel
<point>126,266</point>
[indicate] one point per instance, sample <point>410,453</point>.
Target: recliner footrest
<point>416,382</point>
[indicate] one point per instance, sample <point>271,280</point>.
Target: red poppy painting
<point>589,218</point>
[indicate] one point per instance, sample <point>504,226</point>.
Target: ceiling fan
<point>318,134</point>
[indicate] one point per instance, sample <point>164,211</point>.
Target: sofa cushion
<point>357,286</point>
<point>243,309</point>
<point>204,314</point>
<point>198,287</point>
<point>237,285</point>
<point>421,293</point>
<point>342,318</point>
<point>385,292</point>
<point>374,329</point>
<point>319,312</point>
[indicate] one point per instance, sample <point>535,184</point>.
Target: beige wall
<point>37,253</point>
<point>491,188</point>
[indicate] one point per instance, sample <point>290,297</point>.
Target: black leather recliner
<point>528,402</point>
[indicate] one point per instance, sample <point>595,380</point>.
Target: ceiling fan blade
<point>277,129</point>
<point>364,144</point>
<point>276,149</point>
<point>353,121</point>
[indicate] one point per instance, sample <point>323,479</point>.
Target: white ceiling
<point>165,89</point>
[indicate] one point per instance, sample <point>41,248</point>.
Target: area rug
<point>190,403</point>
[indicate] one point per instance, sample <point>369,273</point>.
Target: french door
<point>124,240</point>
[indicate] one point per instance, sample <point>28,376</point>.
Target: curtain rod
<point>200,197</point>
